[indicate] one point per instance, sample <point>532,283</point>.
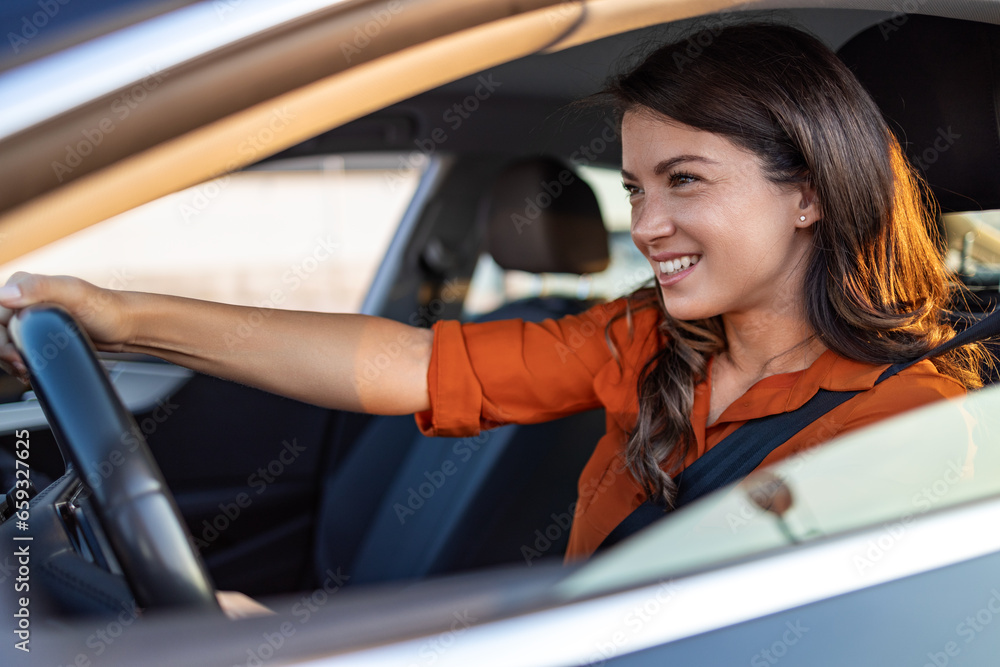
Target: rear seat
<point>402,505</point>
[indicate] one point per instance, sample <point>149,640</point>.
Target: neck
<point>766,343</point>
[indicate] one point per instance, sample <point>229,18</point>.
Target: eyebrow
<point>664,166</point>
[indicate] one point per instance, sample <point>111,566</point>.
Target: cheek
<point>716,229</point>
<point>753,226</point>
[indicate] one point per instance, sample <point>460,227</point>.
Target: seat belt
<point>745,448</point>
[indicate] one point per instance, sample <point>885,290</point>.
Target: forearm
<point>349,362</point>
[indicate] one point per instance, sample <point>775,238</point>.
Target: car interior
<point>371,498</point>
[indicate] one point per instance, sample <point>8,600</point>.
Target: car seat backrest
<point>542,218</point>
<point>936,81</point>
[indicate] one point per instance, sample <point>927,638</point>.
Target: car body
<point>887,555</point>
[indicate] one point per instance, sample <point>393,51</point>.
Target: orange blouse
<point>483,375</point>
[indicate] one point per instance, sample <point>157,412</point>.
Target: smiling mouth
<point>672,266</point>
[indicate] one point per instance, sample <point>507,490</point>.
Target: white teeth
<point>672,266</point>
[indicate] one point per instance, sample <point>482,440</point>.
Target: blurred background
<point>304,234</point>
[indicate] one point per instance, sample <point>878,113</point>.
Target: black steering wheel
<point>100,439</point>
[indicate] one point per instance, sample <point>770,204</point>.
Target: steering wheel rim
<point>101,439</point>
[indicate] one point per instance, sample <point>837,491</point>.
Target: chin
<point>685,310</point>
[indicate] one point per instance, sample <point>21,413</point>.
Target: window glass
<point>973,241</point>
<point>300,234</point>
<point>491,286</point>
<point>884,476</point>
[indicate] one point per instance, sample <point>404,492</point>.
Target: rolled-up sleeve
<point>483,375</point>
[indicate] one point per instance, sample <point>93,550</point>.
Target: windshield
<point>887,475</point>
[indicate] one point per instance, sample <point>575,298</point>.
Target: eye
<point>631,189</point>
<point>682,178</point>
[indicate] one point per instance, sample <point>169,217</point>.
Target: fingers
<point>97,310</point>
<point>10,295</point>
<point>12,363</point>
<point>236,605</point>
<point>20,373</point>
<point>10,356</point>
<point>22,289</point>
<point>10,359</point>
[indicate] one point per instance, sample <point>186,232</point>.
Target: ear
<point>808,205</point>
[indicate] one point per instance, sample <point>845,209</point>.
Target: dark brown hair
<point>876,284</point>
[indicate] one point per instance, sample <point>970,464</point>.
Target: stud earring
<point>802,218</point>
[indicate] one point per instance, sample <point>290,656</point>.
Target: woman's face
<point>721,237</point>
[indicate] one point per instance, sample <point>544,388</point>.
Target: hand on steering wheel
<point>101,312</point>
<point>96,432</point>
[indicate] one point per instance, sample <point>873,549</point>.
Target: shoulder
<point>914,387</point>
<point>920,380</point>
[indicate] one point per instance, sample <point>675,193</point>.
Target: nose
<point>651,222</point>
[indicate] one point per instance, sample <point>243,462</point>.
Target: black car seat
<point>937,83</point>
<point>401,505</point>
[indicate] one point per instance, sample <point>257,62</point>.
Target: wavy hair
<point>876,285</point>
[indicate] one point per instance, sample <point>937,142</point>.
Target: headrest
<point>936,81</point>
<point>542,218</point>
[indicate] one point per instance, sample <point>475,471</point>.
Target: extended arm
<point>348,362</point>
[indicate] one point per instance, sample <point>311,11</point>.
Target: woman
<point>791,252</point>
